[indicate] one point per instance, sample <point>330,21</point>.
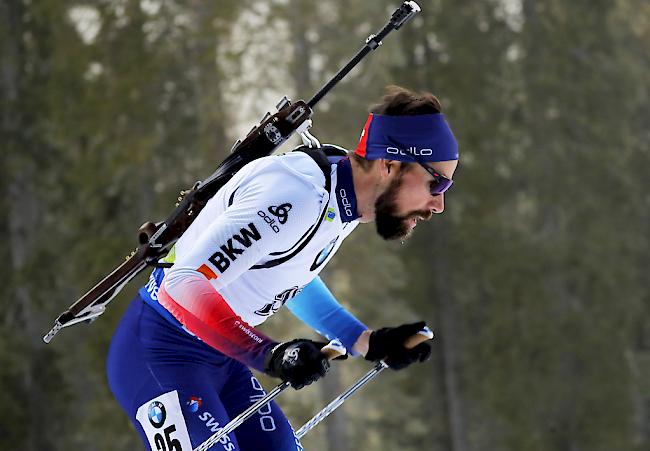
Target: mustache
<point>424,214</point>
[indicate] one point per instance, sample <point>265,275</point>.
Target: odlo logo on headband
<point>409,151</point>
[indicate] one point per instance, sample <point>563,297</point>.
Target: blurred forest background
<point>534,278</point>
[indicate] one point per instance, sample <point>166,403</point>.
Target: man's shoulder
<point>288,171</point>
<point>302,166</point>
<point>292,179</point>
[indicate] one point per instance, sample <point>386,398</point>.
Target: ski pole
<point>423,335</point>
<point>333,349</point>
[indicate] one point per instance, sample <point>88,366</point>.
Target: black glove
<point>299,362</point>
<point>388,344</point>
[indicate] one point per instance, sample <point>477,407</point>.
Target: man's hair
<point>399,101</point>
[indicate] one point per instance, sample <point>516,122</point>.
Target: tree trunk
<point>335,425</point>
<point>298,24</point>
<point>22,213</point>
<point>448,338</point>
<point>449,342</point>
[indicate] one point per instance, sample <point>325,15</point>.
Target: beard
<point>390,225</point>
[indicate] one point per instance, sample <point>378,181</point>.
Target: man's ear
<point>388,166</point>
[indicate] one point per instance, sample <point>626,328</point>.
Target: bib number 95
<point>167,443</point>
<point>163,423</point>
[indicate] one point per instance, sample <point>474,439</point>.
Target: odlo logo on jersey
<point>281,212</point>
<point>228,252</point>
<point>345,202</point>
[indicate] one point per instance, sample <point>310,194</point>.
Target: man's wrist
<point>269,356</point>
<point>362,343</point>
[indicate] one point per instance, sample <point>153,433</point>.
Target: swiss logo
<point>194,403</point>
<point>281,212</point>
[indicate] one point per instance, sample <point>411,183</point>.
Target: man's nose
<point>437,204</point>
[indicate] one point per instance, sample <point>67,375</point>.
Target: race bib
<point>163,423</point>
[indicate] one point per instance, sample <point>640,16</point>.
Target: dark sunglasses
<point>440,183</point>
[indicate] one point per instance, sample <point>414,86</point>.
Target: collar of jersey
<point>345,195</point>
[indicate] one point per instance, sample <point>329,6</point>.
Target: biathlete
<point>179,360</point>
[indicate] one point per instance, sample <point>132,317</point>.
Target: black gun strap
<point>324,164</point>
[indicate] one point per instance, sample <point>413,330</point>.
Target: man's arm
<point>317,307</point>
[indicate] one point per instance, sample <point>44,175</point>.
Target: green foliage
<point>533,278</point>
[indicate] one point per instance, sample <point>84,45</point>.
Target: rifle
<point>156,239</point>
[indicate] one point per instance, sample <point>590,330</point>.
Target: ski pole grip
<point>404,13</point>
<point>333,349</point>
<point>422,336</point>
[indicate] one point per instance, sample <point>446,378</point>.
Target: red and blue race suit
<point>178,363</point>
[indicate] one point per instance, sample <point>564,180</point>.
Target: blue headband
<point>426,137</point>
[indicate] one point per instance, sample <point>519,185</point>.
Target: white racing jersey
<point>253,248</point>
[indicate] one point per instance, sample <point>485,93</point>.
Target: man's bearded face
<point>389,224</point>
